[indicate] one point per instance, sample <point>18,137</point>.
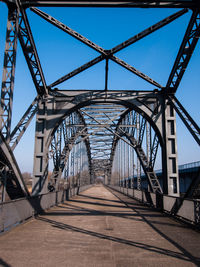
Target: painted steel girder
<point>135,71</point>
<point>68,30</point>
<point>186,118</point>
<point>96,3</point>
<point>141,131</point>
<point>15,184</point>
<point>57,172</point>
<point>77,71</point>
<point>105,53</point>
<point>9,72</point>
<point>193,192</point>
<point>30,53</point>
<point>23,124</point>
<point>148,31</point>
<point>151,175</point>
<point>185,52</point>
<point>70,138</point>
<point>147,165</point>
<point>153,151</point>
<point>71,100</point>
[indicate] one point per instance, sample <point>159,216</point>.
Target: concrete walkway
<point>97,229</point>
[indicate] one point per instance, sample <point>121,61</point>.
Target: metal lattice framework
<point>134,127</point>
<point>67,136</point>
<point>105,121</point>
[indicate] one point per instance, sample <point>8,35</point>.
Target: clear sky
<point>60,53</point>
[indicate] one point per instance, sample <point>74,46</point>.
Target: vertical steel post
<point>9,71</point>
<point>40,168</point>
<point>169,150</point>
<point>148,144</point>
<point>138,161</point>
<point>133,166</point>
<point>106,75</point>
<point>118,156</point>
<point>148,141</point>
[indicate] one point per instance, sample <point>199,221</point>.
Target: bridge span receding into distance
<point>116,135</point>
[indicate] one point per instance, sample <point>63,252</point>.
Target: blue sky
<point>60,53</point>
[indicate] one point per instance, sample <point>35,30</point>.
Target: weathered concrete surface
<point>96,229</point>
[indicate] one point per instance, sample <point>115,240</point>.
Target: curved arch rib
<point>137,145</point>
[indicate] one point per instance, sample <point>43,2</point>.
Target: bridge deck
<point>97,229</point>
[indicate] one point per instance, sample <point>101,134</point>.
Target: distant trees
<point>28,180</point>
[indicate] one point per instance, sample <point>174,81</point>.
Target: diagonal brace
<point>109,53</point>
<point>30,52</point>
<point>23,124</point>
<point>185,52</point>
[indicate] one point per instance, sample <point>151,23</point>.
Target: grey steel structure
<point>107,126</point>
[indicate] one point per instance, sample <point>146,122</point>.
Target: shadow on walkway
<point>3,263</point>
<point>175,233</point>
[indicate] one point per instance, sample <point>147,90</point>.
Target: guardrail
<point>189,210</point>
<point>17,211</point>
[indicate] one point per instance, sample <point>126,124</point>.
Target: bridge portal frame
<point>167,102</point>
<point>150,104</point>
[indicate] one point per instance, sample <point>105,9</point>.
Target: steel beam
<point>23,124</point>
<point>68,30</point>
<point>135,71</point>
<point>118,4</point>
<point>9,72</point>
<point>77,71</point>
<point>137,145</point>
<point>141,131</point>
<point>30,52</point>
<point>169,149</point>
<point>186,118</point>
<point>15,185</point>
<point>185,52</point>
<point>147,31</point>
<point>40,168</point>
<point>105,53</point>
<point>70,136</point>
<point>153,151</point>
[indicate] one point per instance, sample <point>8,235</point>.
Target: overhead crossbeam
<point>68,30</point>
<point>77,71</point>
<point>185,52</point>
<point>30,52</point>
<point>105,54</point>
<point>121,4</point>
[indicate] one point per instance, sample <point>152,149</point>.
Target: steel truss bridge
<point>90,134</point>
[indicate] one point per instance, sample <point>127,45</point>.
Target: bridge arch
<point>61,149</point>
<point>60,107</point>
